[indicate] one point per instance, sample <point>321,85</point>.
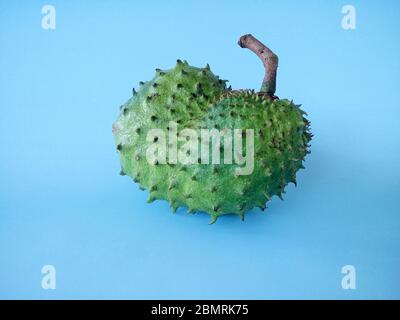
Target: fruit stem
<point>268,58</point>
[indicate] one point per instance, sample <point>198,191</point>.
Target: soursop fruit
<point>273,131</point>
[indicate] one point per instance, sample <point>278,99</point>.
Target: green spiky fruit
<point>196,98</point>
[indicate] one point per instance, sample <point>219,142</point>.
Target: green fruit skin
<point>196,98</point>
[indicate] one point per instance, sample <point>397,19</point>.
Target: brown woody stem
<point>268,58</point>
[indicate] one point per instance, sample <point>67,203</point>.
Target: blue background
<point>62,201</point>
